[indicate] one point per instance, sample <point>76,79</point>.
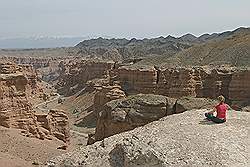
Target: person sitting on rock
<point>220,109</point>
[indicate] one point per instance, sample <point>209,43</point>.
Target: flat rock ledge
<point>179,140</point>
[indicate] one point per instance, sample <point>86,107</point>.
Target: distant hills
<point>169,46</point>
<point>230,47</point>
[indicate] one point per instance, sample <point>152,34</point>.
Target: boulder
<point>125,114</point>
<point>188,103</point>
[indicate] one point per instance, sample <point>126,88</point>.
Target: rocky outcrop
<point>126,114</point>
<point>16,84</point>
<point>106,94</point>
<point>56,123</point>
<point>188,103</point>
<point>74,75</point>
<point>179,140</point>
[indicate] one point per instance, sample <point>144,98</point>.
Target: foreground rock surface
<point>178,140</point>
<point>128,113</point>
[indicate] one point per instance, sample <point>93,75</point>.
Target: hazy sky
<point>120,18</point>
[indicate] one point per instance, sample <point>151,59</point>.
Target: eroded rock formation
<point>16,84</point>
<point>178,82</point>
<point>56,123</point>
<point>106,94</point>
<point>126,114</point>
<point>239,87</point>
<point>74,75</point>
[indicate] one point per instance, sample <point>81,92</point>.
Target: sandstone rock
<point>58,125</point>
<point>125,114</point>
<point>105,94</point>
<point>179,140</point>
<point>141,79</point>
<point>188,103</point>
<point>74,76</point>
<point>239,88</point>
<point>205,82</point>
<point>16,110</point>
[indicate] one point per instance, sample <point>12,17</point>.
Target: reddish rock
<point>58,125</point>
<point>16,84</point>
<point>74,75</point>
<point>105,94</point>
<point>239,87</point>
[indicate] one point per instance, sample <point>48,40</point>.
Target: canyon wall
<point>17,84</point>
<point>35,62</point>
<point>106,94</point>
<point>182,81</point>
<point>74,75</point>
<point>239,87</point>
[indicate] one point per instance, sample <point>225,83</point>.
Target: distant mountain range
<point>137,48</point>
<point>41,42</point>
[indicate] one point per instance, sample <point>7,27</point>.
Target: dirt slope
<point>19,151</point>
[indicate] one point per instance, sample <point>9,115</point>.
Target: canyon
<point>108,96</point>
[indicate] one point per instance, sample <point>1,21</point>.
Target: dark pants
<point>214,119</point>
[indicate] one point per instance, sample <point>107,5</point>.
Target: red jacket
<point>221,109</point>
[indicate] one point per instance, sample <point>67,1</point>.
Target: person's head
<point>221,99</point>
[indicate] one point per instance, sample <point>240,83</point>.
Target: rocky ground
<point>184,139</point>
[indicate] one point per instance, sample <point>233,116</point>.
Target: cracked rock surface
<point>184,139</point>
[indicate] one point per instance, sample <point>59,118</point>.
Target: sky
<point>120,18</point>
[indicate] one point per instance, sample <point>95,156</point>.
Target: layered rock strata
<point>56,123</point>
<point>178,82</point>
<point>16,84</point>
<point>106,94</point>
<point>74,75</point>
<point>239,87</point>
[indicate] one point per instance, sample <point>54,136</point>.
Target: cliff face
<point>178,82</point>
<point>74,76</point>
<point>106,94</point>
<point>239,87</point>
<point>16,84</point>
<point>141,80</point>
